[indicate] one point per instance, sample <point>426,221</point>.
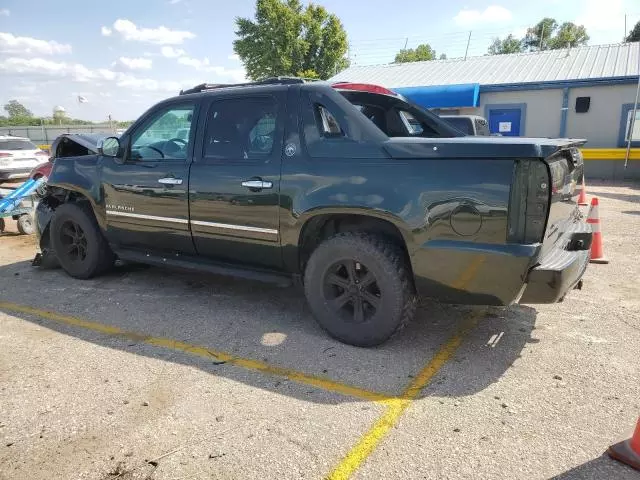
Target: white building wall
<point>601,124</point>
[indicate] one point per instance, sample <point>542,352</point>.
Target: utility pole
<point>540,47</point>
<point>468,43</point>
<point>624,37</point>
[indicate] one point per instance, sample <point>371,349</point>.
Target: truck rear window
<point>17,145</point>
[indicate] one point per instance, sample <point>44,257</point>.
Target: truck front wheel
<point>359,289</point>
<point>78,242</point>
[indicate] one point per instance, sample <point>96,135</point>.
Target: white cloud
<point>135,63</point>
<point>491,14</point>
<point>194,62</point>
<point>79,73</point>
<point>45,67</point>
<point>106,31</point>
<point>235,74</point>
<point>147,84</point>
<point>106,74</point>
<point>158,36</point>
<point>171,52</point>
<point>4,12</point>
<point>234,57</point>
<point>174,2</point>
<point>27,45</point>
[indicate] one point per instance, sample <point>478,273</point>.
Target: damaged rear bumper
<point>561,269</point>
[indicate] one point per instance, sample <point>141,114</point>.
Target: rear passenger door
<point>235,180</point>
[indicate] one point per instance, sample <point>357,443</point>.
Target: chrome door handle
<point>170,181</point>
<point>257,184</point>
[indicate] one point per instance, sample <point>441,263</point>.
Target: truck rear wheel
<point>78,242</point>
<point>359,289</point>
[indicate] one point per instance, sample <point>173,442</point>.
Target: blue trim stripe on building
<point>589,82</point>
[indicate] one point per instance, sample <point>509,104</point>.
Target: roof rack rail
<point>203,87</point>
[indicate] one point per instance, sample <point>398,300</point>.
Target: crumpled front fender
<point>43,215</point>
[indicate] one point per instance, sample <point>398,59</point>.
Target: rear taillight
<point>6,154</point>
<point>529,206</point>
<point>363,87</point>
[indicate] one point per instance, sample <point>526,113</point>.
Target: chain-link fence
<point>46,134</point>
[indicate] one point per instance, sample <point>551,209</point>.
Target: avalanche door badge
<point>290,149</point>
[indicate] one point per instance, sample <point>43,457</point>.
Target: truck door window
<point>241,129</point>
<point>162,136</point>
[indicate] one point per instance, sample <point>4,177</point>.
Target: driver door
<point>146,192</point>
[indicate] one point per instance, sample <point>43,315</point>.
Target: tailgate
<point>544,194</point>
<point>566,169</point>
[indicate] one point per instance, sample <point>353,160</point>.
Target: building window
<point>582,104</point>
<point>635,134</point>
<point>626,122</point>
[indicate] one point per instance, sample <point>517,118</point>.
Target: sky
<point>124,56</point>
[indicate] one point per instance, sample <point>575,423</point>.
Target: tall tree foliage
<point>421,53</point>
<point>287,39</point>
<point>509,44</point>
<point>634,35</point>
<point>538,36</point>
<point>16,110</point>
<point>547,34</point>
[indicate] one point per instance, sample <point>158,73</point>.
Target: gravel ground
<point>531,393</point>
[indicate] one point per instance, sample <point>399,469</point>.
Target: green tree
<point>538,36</point>
<point>421,53</point>
<point>286,39</point>
<point>443,56</point>
<point>16,110</point>
<point>634,35</point>
<point>569,35</point>
<point>509,44</point>
<point>309,74</point>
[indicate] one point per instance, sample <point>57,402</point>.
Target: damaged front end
<point>46,257</point>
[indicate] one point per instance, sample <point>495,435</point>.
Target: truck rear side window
<point>328,124</point>
<point>240,129</point>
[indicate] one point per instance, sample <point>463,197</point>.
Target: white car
<point>18,156</point>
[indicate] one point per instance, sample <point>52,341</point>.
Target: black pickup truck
<point>331,185</point>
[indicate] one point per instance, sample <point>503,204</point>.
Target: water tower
<point>59,113</point>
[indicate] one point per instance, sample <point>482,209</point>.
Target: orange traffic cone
<point>628,451</point>
<point>582,199</point>
<point>597,255</point>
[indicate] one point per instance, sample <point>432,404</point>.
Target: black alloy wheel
<point>74,241</point>
<point>351,290</point>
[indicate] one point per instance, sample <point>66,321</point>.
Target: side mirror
<point>109,147</point>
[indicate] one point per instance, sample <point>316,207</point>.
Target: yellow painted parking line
<point>396,406</point>
<point>200,351</point>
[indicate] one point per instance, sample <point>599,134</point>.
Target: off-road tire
<point>387,262</point>
<point>98,256</point>
<point>26,225</point>
<point>2,225</point>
